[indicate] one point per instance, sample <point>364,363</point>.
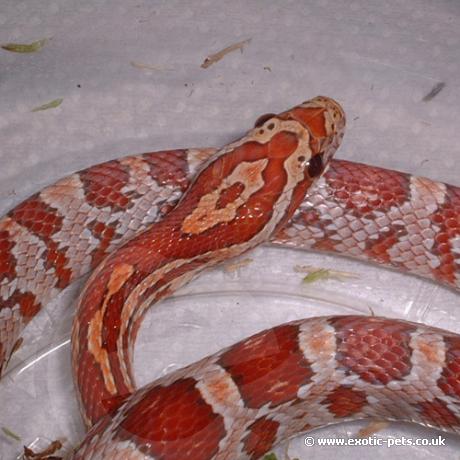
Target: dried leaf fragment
<point>25,47</point>
<point>46,454</point>
<point>11,434</point>
<point>434,91</point>
<point>373,427</point>
<point>216,57</point>
<point>233,266</point>
<point>158,68</point>
<point>49,105</point>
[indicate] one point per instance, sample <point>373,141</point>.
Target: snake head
<point>305,138</point>
<point>264,176</point>
<point>324,119</point>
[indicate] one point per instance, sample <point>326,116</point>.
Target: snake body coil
<point>281,382</point>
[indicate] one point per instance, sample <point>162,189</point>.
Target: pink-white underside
<point>343,213</point>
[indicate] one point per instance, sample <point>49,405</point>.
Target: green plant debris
<point>25,47</point>
<point>49,105</point>
<point>314,274</point>
<point>270,456</point>
<point>11,434</point>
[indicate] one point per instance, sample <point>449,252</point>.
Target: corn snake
<point>378,251</point>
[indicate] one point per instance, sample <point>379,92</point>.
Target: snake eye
<point>315,165</point>
<point>263,118</point>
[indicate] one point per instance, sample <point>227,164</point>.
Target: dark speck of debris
<point>268,68</point>
<point>78,86</point>
<point>434,91</point>
<point>356,118</point>
<point>426,160</point>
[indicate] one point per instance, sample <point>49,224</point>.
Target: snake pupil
<point>315,165</point>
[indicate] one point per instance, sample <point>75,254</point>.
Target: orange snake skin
<point>242,401</point>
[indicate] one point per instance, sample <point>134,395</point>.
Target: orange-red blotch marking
<point>104,233</point>
<point>176,423</point>
<point>344,401</point>
<point>370,189</point>
<point>57,259</point>
<point>103,185</point>
<point>169,167</point>
<point>281,146</point>
<point>268,368</point>
<point>448,220</point>
<point>438,414</point>
<point>27,302</point>
<point>44,221</point>
<point>449,381</point>
<point>229,195</point>
<point>378,248</point>
<point>7,260</point>
<point>39,218</point>
<point>374,348</point>
<point>261,437</point>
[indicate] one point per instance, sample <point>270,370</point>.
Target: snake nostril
<point>315,165</point>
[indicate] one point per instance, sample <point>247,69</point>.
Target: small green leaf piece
<point>11,434</point>
<point>317,275</point>
<point>270,456</point>
<point>49,105</point>
<point>25,47</point>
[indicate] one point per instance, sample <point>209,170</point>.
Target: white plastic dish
<point>378,58</point>
<point>257,291</point>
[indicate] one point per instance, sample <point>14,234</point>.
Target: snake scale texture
<point>148,224</point>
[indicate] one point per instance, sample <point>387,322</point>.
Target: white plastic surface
<point>377,58</point>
